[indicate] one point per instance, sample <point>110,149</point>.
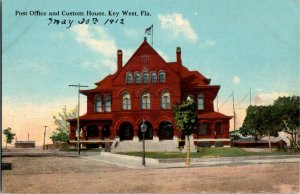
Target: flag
<point>148,30</point>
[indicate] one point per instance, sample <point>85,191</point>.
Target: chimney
<point>178,55</point>
<point>120,63</point>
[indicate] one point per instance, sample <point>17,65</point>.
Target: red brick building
<point>146,87</point>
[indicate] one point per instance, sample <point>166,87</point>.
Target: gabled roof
<point>103,85</point>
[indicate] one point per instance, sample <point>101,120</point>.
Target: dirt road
<point>77,175</point>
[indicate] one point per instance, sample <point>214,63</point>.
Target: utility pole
<point>78,110</point>
<point>233,110</point>
<point>44,136</point>
<point>250,98</point>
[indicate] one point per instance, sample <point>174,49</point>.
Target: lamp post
<point>143,130</point>
<point>78,126</point>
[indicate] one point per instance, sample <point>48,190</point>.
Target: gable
<point>147,59</point>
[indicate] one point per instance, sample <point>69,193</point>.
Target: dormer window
<point>153,77</point>
<point>145,77</point>
<point>201,101</point>
<point>161,77</point>
<point>129,78</point>
<point>137,77</point>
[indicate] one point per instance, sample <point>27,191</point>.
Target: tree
<point>9,136</point>
<point>289,111</point>
<point>252,123</point>
<point>62,125</point>
<point>186,119</point>
<point>260,121</point>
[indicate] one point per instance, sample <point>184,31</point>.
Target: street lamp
<point>78,126</point>
<point>143,130</point>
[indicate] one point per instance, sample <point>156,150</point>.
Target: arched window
<point>98,104</point>
<point>137,77</point>
<point>145,100</point>
<point>165,100</point>
<point>128,77</point>
<point>126,104</point>
<point>161,77</point>
<point>190,98</point>
<point>201,102</point>
<point>107,103</point>
<point>145,77</point>
<point>153,77</point>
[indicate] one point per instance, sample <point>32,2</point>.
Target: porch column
<point>212,129</point>
<point>112,133</point>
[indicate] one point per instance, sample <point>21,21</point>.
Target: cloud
<point>268,98</point>
<point>130,32</point>
<point>209,43</point>
<point>236,80</point>
<point>163,55</point>
<point>178,27</point>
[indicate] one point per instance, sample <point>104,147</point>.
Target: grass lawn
<point>205,152</point>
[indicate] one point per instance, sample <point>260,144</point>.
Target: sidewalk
<point>136,162</point>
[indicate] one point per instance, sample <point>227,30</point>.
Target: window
<point>107,103</point>
<point>98,104</point>
<point>219,128</point>
<point>190,98</point>
<point>128,77</point>
<point>153,77</point>
<point>145,101</point>
<point>200,102</point>
<point>165,100</point>
<point>126,104</point>
<point>145,77</point>
<point>204,129</point>
<point>161,77</point>
<point>137,77</point>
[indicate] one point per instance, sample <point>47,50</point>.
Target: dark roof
<point>94,117</point>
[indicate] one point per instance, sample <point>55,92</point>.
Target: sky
<point>237,44</point>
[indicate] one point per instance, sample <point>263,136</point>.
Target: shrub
<point>219,144</point>
<point>204,144</point>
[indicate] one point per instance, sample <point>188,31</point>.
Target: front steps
<point>150,146</point>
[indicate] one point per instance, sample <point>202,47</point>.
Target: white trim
<point>211,139</point>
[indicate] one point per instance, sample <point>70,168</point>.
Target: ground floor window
<point>165,130</point>
<point>203,129</point>
<point>219,128</point>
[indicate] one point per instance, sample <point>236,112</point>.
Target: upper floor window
<point>201,102</point>
<point>153,77</point>
<point>165,100</point>
<point>107,103</point>
<point>128,77</point>
<point>145,77</point>
<point>190,98</point>
<point>145,100</point>
<point>161,77</point>
<point>126,104</point>
<point>137,77</point>
<point>98,104</point>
